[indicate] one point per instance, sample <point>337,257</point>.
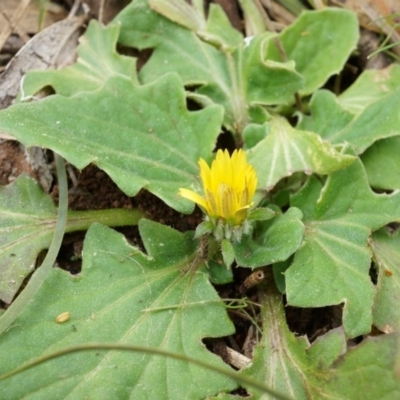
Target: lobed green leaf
<point>227,75</point>
<point>369,87</point>
<point>327,115</point>
<point>27,222</point>
<point>286,150</point>
<point>382,164</point>
<point>386,249</point>
<point>315,43</point>
<point>128,297</point>
<point>274,240</point>
<point>137,137</point>
<point>97,61</point>
<point>326,368</point>
<point>378,120</point>
<point>332,265</point>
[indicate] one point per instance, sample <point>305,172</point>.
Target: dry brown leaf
<point>278,13</point>
<point>369,11</point>
<point>53,47</point>
<point>11,21</point>
<point>29,21</point>
<point>376,15</point>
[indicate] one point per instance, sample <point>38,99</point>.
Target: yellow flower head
<point>229,186</point>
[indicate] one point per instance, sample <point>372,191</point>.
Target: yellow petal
<point>240,215</point>
<point>211,204</point>
<point>251,182</point>
<point>205,174</point>
<point>193,196</point>
<point>226,201</point>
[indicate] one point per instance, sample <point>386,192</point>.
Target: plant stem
<point>81,220</point>
<point>239,107</point>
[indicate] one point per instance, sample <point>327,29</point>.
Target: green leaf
<point>180,12</point>
<point>286,150</point>
<point>216,30</point>
<point>386,249</point>
<point>254,133</point>
<point>275,240</point>
<point>204,228</point>
<point>219,31</point>
<point>279,270</point>
<point>132,133</point>
<point>261,214</point>
<point>176,49</point>
<point>97,61</point>
<point>279,365</point>
<point>378,120</point>
<point>370,86</point>
<point>382,163</point>
<point>219,274</point>
<point>315,43</point>
<point>285,365</point>
<point>373,361</point>
<point>361,207</point>
<point>369,115</point>
<point>324,370</point>
<point>121,296</point>
<point>332,268</point>
<point>27,221</point>
<point>327,115</point>
<point>308,197</point>
<point>230,79</point>
<point>268,81</point>
<point>228,253</point>
<point>332,265</point>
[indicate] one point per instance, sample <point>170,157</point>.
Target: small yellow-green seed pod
<point>63,317</point>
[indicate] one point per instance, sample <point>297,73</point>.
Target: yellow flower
<point>229,186</point>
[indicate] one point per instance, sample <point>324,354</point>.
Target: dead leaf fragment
<point>376,15</point>
<point>54,47</point>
